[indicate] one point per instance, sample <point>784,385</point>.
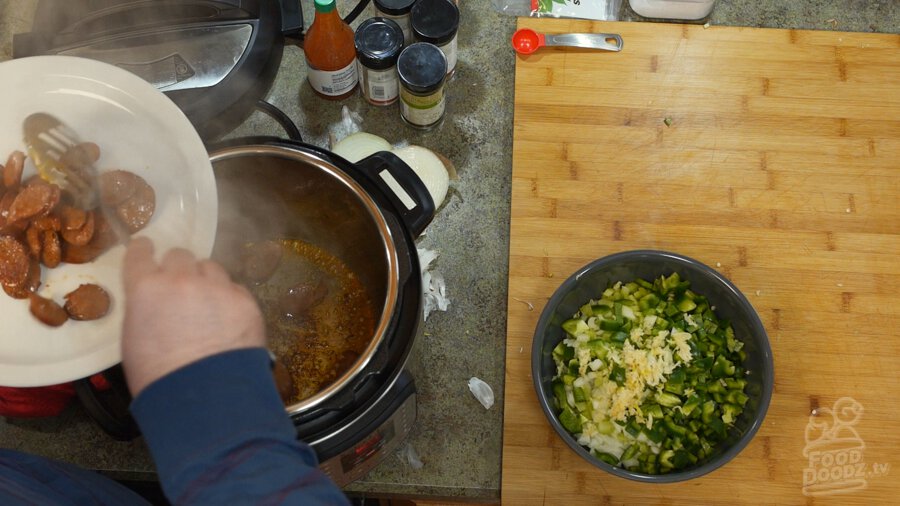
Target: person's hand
<point>180,310</point>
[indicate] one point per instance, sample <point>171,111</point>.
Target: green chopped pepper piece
<point>570,420</point>
<point>667,400</point>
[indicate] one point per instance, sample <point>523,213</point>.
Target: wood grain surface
<point>780,166</point>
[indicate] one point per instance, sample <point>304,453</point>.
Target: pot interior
<point>315,251</point>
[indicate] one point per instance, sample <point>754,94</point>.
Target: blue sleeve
<point>219,434</point>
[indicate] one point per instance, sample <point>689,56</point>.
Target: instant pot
<point>375,210</point>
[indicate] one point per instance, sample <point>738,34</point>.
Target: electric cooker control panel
<point>358,460</point>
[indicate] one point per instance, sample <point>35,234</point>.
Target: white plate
<point>138,129</point>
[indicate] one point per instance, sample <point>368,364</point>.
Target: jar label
<point>333,82</point>
<point>449,50</point>
<point>380,86</point>
<point>420,110</point>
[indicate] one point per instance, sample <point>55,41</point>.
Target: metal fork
<point>47,140</point>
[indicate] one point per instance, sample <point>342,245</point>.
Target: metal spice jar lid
<point>422,67</point>
<point>394,7</point>
<point>378,43</point>
<point>434,21</point>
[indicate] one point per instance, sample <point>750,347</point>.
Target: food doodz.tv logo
<point>835,451</point>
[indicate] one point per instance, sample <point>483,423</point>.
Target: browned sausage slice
<point>12,171</point>
<point>47,311</point>
<point>51,253</point>
<point>33,200</point>
<point>261,259</point>
<point>34,241</point>
<point>135,212</point>
<point>87,302</point>
<point>83,235</point>
<point>117,186</point>
<point>31,284</point>
<point>13,261</point>
<point>72,218</point>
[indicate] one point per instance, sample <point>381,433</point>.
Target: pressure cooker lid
<point>213,58</point>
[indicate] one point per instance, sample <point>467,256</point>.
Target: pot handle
<point>403,188</point>
<point>109,408</point>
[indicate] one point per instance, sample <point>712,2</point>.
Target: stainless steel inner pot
<point>269,192</point>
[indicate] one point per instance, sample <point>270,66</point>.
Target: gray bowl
<point>590,281</point>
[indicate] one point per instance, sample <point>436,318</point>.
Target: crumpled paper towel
<point>433,285</point>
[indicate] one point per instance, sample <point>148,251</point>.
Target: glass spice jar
<point>398,11</point>
<point>437,22</point>
<point>422,68</point>
<point>378,45</point>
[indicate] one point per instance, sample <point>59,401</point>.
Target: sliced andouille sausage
<point>47,311</point>
<point>300,298</point>
<point>31,284</point>
<point>71,217</point>
<point>47,222</point>
<point>12,171</point>
<point>117,186</point>
<point>103,239</point>
<point>34,240</point>
<point>14,261</point>
<point>33,200</point>
<point>51,251</point>
<point>135,212</point>
<point>80,236</point>
<point>87,302</point>
<point>261,259</point>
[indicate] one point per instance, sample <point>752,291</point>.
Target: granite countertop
<point>458,441</point>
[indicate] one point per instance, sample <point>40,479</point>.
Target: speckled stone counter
<point>458,441</point>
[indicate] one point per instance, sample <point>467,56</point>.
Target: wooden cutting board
<point>779,166</point>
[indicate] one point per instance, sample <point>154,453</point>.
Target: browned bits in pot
<point>261,259</point>
<point>87,302</point>
<point>51,253</point>
<point>12,171</point>
<point>47,311</point>
<point>31,284</point>
<point>13,261</point>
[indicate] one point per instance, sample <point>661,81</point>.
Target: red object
<point>38,402</point>
<point>527,41</point>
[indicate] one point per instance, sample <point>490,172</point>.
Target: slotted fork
<point>47,140</point>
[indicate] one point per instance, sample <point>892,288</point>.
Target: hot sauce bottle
<point>330,54</point>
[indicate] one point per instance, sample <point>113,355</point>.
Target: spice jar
<point>398,11</point>
<point>436,22</point>
<point>378,45</point>
<point>422,68</point>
